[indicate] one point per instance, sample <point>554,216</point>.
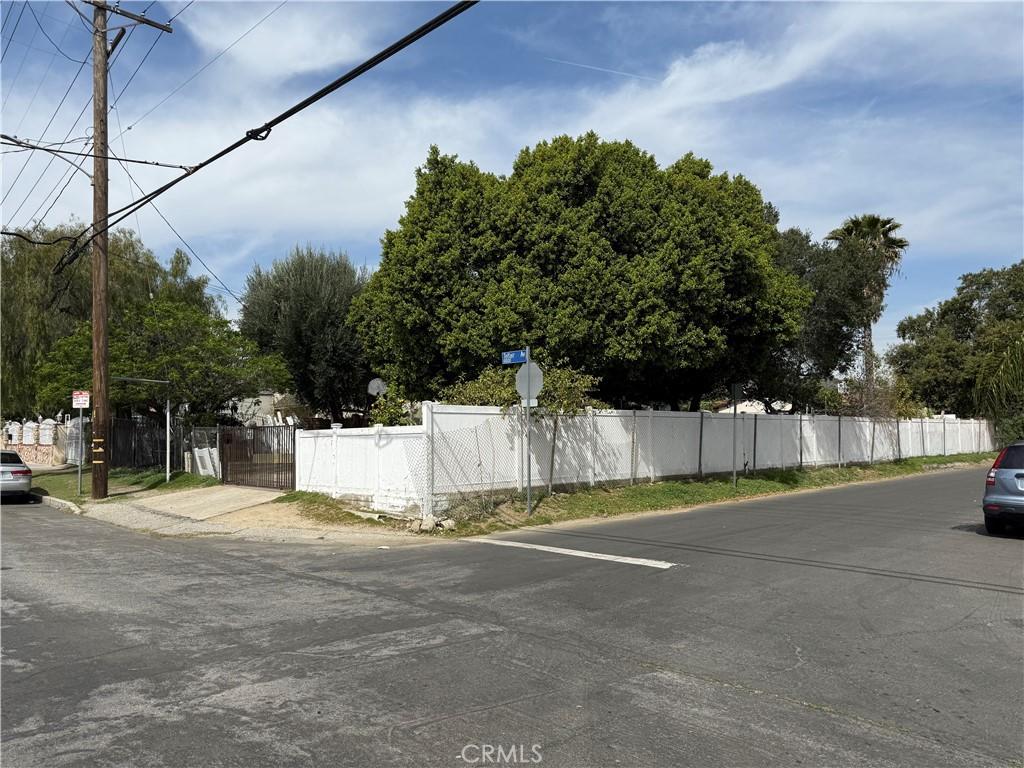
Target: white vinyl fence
<point>465,452</point>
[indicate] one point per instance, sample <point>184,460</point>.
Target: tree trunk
<point>695,403</point>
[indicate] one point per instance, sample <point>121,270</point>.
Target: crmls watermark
<point>501,754</point>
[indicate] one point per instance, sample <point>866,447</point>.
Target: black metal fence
<point>142,443</point>
<point>263,457</point>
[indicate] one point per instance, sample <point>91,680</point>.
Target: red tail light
<point>990,479</point>
<point>22,472</point>
<point>999,458</point>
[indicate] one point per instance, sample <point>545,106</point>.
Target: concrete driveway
<point>872,625</point>
<point>204,503</point>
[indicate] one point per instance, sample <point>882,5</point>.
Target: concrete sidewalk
<point>233,512</point>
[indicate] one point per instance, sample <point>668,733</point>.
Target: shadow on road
<point>24,500</point>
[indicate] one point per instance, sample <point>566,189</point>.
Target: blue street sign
<point>513,357</point>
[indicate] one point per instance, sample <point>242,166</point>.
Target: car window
<point>9,457</point>
<point>1014,458</point>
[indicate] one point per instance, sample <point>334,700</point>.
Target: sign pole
<point>167,474</point>
<point>529,468</point>
<point>81,448</point>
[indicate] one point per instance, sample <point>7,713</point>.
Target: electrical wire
<point>55,46</point>
<point>14,141</point>
<point>187,6</point>
<point>199,71</point>
<point>21,66</point>
<point>14,31</point>
<point>261,133</point>
<point>48,124</point>
<point>178,235</point>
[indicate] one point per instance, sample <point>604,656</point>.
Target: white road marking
<point>662,564</point>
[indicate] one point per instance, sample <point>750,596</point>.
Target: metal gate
<point>263,457</point>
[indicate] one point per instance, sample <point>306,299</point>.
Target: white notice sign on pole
<point>80,399</point>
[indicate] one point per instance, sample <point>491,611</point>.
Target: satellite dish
<point>377,387</point>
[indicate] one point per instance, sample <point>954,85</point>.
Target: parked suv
<point>1004,489</point>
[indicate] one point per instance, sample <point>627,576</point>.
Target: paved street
<point>869,625</point>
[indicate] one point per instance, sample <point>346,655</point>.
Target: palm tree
<point>873,239</point>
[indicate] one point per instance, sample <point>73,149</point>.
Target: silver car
<point>15,477</point>
<point>1004,489</point>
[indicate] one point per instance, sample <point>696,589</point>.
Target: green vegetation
<point>608,502</point>
<point>40,308</point>
<point>122,482</point>
<point>661,282</point>
<point>565,390</point>
<point>298,309</point>
<point>324,509</point>
<point>208,363</point>
<point>964,355</point>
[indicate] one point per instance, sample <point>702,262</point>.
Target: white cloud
<point>343,170</point>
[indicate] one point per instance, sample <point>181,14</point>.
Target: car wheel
<point>994,525</point>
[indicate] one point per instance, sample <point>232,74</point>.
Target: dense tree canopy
<point>299,308</point>
<point>38,308</point>
<point>660,282</point>
<point>208,363</point>
<point>831,325</point>
<point>946,350</point>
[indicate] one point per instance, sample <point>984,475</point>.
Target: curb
<point>62,505</point>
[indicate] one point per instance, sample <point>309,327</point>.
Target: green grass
<point>120,483</point>
<point>646,497</point>
<point>324,509</point>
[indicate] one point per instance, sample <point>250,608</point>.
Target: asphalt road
<point>874,625</point>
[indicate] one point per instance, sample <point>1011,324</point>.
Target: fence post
<point>700,447</point>
<point>376,451</point>
<point>650,441</point>
<point>944,435</point>
<point>429,506</point>
<point>800,416</point>
<point>924,444</point>
<point>782,442</point>
<point>899,446</point>
<point>593,445</point>
<point>840,441</point>
<point>871,454</point>
<point>334,459</point>
<point>220,460</point>
<point>755,442</point>
<point>632,451</point>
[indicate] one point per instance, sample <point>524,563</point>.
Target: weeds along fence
<point>467,460</point>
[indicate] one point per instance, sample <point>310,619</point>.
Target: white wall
<point>466,450</point>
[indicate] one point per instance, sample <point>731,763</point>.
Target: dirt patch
<point>290,515</point>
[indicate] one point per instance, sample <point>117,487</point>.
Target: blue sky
<point>909,110</point>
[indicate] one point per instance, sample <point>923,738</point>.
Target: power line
<point>187,6</point>
<point>178,235</point>
<point>261,133</point>
<point>48,124</point>
<point>56,47</point>
<point>199,71</point>
<point>21,66</point>
<point>13,31</point>
<point>69,173</point>
<point>14,141</point>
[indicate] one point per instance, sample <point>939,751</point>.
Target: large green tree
<point>208,363</point>
<point>661,282</point>
<point>832,324</point>
<point>38,307</point>
<point>299,308</point>
<point>947,350</point>
<point>877,251</point>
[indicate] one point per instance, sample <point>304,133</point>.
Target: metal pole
<point>81,448</point>
<point>529,468</point>
<point>734,411</point>
<point>755,442</point>
<point>167,474</point>
<point>430,499</point>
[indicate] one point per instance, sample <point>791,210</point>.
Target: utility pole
<point>100,395</point>
<point>100,312</point>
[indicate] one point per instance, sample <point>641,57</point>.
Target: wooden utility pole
<point>100,395</point>
<point>100,240</point>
